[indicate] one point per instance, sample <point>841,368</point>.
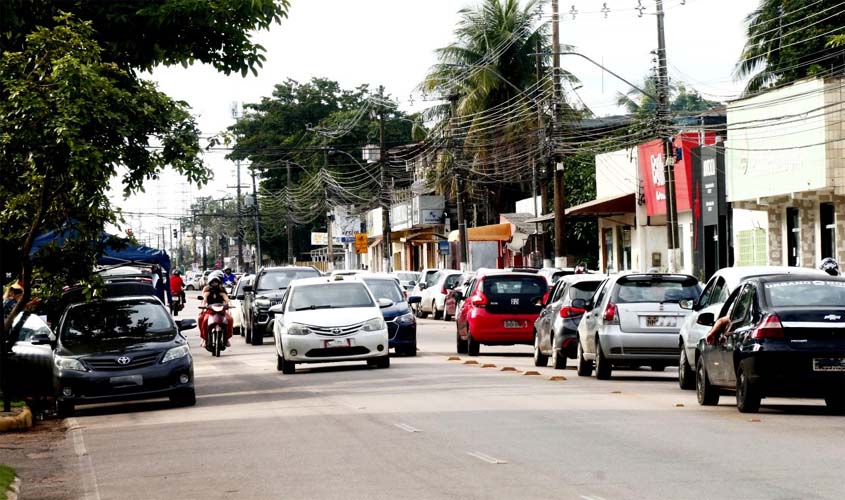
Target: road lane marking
<point>470,362</point>
<point>488,365</point>
<point>591,498</point>
<point>486,458</point>
<point>508,369</point>
<point>531,372</point>
<point>407,428</point>
<point>89,478</point>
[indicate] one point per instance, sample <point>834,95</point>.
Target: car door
<point>464,307</point>
<point>691,331</point>
<point>742,321</point>
<point>590,323</point>
<point>548,315</point>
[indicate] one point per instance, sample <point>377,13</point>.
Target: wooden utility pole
<point>258,258</point>
<point>291,256</point>
<point>664,121</point>
<point>557,156</point>
<point>385,194</point>
<point>457,159</point>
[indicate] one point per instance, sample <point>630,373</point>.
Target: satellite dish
<point>517,242</point>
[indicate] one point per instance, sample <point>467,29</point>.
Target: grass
<point>7,475</point>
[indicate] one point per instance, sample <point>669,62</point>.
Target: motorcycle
<point>215,331</point>
<point>176,305</point>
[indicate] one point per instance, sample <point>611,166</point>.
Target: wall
<point>616,173</point>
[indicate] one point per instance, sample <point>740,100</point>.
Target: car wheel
<point>747,396</point>
<point>435,314</point>
<point>409,351</point>
<point>585,368</point>
<point>285,366</point>
<point>707,393</point>
<point>257,338</point>
<point>686,376</point>
<point>461,344</point>
<point>248,333</point>
<point>835,402</point>
<point>420,313</point>
<point>658,368</point>
<point>184,397</point>
<point>236,331</point>
<point>472,345</point>
<point>540,359</point>
<point>446,317</point>
<point>558,358</point>
<point>65,409</point>
<point>189,288</point>
<point>383,362</point>
<point>603,367</point>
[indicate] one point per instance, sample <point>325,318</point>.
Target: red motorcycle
<point>215,330</point>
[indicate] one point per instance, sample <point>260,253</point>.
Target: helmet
<point>227,270</point>
<point>176,272</point>
<point>830,266</point>
<point>215,275</point>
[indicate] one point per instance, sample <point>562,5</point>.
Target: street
<point>432,428</point>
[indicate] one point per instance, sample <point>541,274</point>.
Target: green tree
<point>68,121</point>
<point>683,100</point>
<point>788,40</point>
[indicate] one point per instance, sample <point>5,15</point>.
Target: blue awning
<point>116,250</point>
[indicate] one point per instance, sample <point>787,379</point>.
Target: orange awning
<point>493,232</point>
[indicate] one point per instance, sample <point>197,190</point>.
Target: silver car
<point>633,320</point>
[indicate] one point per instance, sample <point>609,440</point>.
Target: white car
<point>425,276</point>
<point>433,296</point>
<point>719,287</point>
<point>236,304</point>
<point>329,319</point>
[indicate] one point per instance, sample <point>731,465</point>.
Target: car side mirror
<point>538,301</point>
<point>588,306</point>
<point>414,299</point>
<point>579,304</point>
<point>382,303</point>
<point>186,324</point>
<point>247,288</point>
<point>686,304</point>
<point>412,283</point>
<point>277,309</point>
<point>41,339</point>
<point>706,319</point>
<point>423,286</point>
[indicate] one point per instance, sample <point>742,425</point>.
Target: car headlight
<point>298,329</point>
<point>374,325</point>
<point>69,364</point>
<point>406,319</point>
<point>176,353</point>
<point>262,302</point>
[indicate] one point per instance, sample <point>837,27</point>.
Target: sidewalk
<point>45,461</point>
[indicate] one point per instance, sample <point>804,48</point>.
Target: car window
<point>598,297</point>
<point>452,280</point>
<point>32,325</point>
<point>557,291</point>
<point>583,290</point>
<point>278,280</point>
<point>330,296</point>
<point>432,278</point>
<point>720,293</point>
<point>530,287</point>
<point>818,293</point>
<point>644,289</point>
<point>704,298</point>
<point>385,289</point>
<point>741,311</point>
<point>113,321</point>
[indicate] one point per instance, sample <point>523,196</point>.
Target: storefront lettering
<point>709,168</point>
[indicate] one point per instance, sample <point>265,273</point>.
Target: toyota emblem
<point>335,331</point>
<point>123,360</point>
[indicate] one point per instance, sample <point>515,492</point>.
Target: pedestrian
<point>12,296</point>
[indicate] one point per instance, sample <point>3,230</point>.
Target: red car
<point>499,308</point>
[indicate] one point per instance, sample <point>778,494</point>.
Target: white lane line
<point>486,458</point>
<point>89,479</point>
<point>407,428</point>
<point>591,498</point>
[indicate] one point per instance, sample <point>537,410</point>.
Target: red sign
<point>652,171</point>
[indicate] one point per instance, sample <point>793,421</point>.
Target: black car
<point>786,338</point>
<point>121,348</point>
<point>267,289</point>
<point>401,324</point>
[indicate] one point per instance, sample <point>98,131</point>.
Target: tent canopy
<point>113,254</point>
<point>493,232</point>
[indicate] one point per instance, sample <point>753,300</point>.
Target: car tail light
<point>405,293</point>
<point>770,328</point>
<point>569,312</point>
<point>611,315</point>
<point>443,290</point>
<point>479,299</point>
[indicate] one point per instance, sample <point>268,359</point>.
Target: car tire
<point>285,366</point>
<point>558,358</point>
<point>540,359</point>
<point>658,368</point>
<point>248,334</point>
<point>472,346</point>
<point>686,375</point>
<point>435,314</point>
<point>420,313</point>
<point>184,397</point>
<point>409,351</point>
<point>446,317</point>
<point>257,339</point>
<point>461,344</point>
<point>747,396</point>
<point>707,393</point>
<point>189,288</point>
<point>383,362</point>
<point>835,402</point>
<point>585,368</point>
<point>603,367</point>
<point>65,409</point>
<point>236,331</point>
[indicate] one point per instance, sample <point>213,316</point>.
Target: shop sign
<point>652,167</point>
<point>443,247</point>
<point>361,243</point>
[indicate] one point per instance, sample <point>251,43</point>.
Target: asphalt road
<point>429,428</point>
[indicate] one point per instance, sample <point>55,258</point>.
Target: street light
<point>570,53</point>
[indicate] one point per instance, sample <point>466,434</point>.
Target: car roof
<point>288,268</point>
<point>740,273</point>
<point>375,276</point>
<point>774,278</point>
<point>503,272</point>
<point>125,298</point>
<point>325,280</point>
<point>577,278</point>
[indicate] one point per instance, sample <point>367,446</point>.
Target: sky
<point>392,43</point>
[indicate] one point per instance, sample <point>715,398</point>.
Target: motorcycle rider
<point>228,277</point>
<point>830,266</point>
<point>177,286</point>
<point>214,293</point>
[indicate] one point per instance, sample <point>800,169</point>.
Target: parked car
<point>500,309</point>
<point>330,319</point>
<point>407,279</point>
<point>553,274</point>
<point>236,303</point>
<point>401,324</point>
<point>786,337</point>
<point>633,320</point>
<point>266,290</point>
<point>556,329</point>
<point>715,293</point>
<point>31,357</point>
<point>433,297</point>
<point>123,348</point>
<point>193,281</point>
<point>452,303</point>
<point>426,276</point>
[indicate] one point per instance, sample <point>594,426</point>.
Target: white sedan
<point>329,319</point>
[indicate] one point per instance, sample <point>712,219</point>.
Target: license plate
<point>513,324</point>
<point>829,364</point>
<point>338,343</point>
<point>127,380</point>
<point>661,321</point>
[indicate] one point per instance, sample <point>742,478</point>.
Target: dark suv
<point>267,290</point>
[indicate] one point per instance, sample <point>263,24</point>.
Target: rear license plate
<point>514,324</point>
<point>127,380</point>
<point>661,321</point>
<point>829,364</point>
<point>338,343</point>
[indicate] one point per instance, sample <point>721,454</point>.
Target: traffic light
<point>175,233</point>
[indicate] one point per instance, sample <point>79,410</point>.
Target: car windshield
<point>583,290</point>
<point>116,321</point>
<point>330,296</point>
<point>655,289</point>
<point>385,289</point>
<point>279,280</point>
<point>408,276</point>
<point>816,293</point>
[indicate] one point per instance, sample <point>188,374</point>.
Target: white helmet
<point>830,266</point>
<point>215,275</point>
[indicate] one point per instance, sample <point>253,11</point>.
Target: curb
<point>14,489</point>
<point>21,421</point>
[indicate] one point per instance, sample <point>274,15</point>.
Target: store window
<point>793,237</point>
<point>624,244</point>
<point>827,219</point>
<point>609,256</point>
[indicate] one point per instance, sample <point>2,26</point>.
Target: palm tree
<point>788,40</point>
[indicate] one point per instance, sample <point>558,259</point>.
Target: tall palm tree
<point>789,40</point>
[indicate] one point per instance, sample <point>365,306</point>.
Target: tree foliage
<point>683,100</point>
<point>790,39</point>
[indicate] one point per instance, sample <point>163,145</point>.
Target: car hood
<point>397,309</point>
<point>332,317</point>
<point>118,347</point>
<point>270,294</point>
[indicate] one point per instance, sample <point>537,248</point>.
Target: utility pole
<point>330,243</point>
<point>240,221</point>
<point>385,194</point>
<point>258,258</point>
<point>457,148</point>
<point>557,156</point>
<point>539,238</point>
<point>204,225</point>
<point>664,128</point>
<point>291,257</point>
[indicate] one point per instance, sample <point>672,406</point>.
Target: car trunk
<point>514,294</point>
<point>650,303</point>
<point>650,317</point>
<point>813,323</point>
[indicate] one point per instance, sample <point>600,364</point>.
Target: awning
<point>493,232</point>
<point>622,204</point>
<point>376,241</point>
